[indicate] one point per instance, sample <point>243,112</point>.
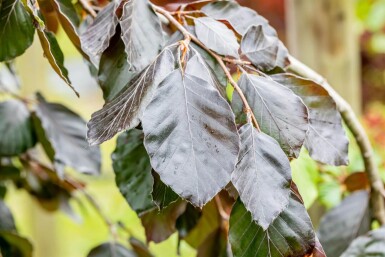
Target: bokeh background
<point>342,39</point>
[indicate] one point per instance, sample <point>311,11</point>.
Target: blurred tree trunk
<point>321,34</point>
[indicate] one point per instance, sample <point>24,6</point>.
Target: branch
<point>352,122</point>
<point>219,59</point>
<point>88,8</point>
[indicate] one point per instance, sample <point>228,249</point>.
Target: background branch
<point>354,125</point>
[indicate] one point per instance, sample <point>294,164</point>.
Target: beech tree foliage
<point>208,118</point>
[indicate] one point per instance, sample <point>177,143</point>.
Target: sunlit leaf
<point>265,51</point>
<point>291,234</point>
<point>141,33</point>
<point>16,129</point>
<point>133,171</point>
<point>126,110</point>
<point>97,37</point>
<point>193,147</point>
<point>326,139</point>
<point>272,113</point>
<point>344,223</point>
<point>54,55</point>
<point>262,176</point>
<point>216,36</point>
<point>63,136</point>
<point>16,29</point>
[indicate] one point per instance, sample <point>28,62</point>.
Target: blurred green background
<point>61,234</point>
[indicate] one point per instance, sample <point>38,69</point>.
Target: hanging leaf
<point>126,110</point>
<point>240,18</point>
<point>7,223</point>
<point>97,37</point>
<point>141,33</point>
<point>13,245</point>
<point>16,29</point>
<point>262,176</point>
<point>216,36</point>
<point>16,129</point>
<point>318,250</point>
<point>264,51</point>
<point>372,244</point>
<point>54,55</point>
<point>326,139</point>
<point>162,195</point>
<point>193,147</point>
<point>62,134</point>
<point>133,171</point>
<point>160,225</point>
<point>344,223</point>
<point>111,250</point>
<point>265,99</point>
<point>291,234</point>
<point>69,20</point>
<point>114,72</point>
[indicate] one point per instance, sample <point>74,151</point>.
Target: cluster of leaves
<point>196,157</point>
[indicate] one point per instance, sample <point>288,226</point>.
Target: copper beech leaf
<point>133,171</point>
<point>265,51</point>
<point>216,36</point>
<point>16,128</point>
<point>290,235</point>
<point>126,110</point>
<point>16,29</point>
<point>262,176</point>
<point>372,244</point>
<point>111,250</point>
<point>326,139</point>
<point>280,113</point>
<point>97,36</point>
<point>240,18</point>
<point>162,195</point>
<point>190,134</point>
<point>54,55</point>
<point>141,33</point>
<point>344,223</point>
<point>63,136</point>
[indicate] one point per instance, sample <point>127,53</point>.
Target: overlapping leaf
<point>54,55</point>
<point>141,33</point>
<point>216,245</point>
<point>344,223</point>
<point>97,37</point>
<point>190,134</point>
<point>126,110</point>
<point>13,245</point>
<point>326,139</point>
<point>114,72</point>
<point>262,176</point>
<point>162,195</point>
<point>265,51</point>
<point>63,136</point>
<point>372,244</point>
<point>280,113</point>
<point>16,29</point>
<point>240,18</point>
<point>16,129</point>
<point>216,36</point>
<point>133,171</point>
<point>7,222</point>
<point>291,234</point>
<point>111,250</point>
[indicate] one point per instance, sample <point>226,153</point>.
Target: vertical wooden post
<point>321,34</point>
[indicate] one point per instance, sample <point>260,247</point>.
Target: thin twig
<point>186,12</point>
<point>87,6</point>
<point>354,125</point>
<point>218,58</point>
